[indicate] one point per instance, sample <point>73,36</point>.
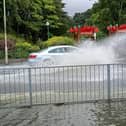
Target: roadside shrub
<point>101,35</point>
<point>2,54</point>
<point>23,49</point>
<point>10,44</point>
<point>12,37</point>
<point>18,53</point>
<point>23,45</point>
<point>57,40</point>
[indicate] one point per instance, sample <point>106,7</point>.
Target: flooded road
<point>113,114</point>
<point>95,114</point>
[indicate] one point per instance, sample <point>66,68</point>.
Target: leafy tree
<point>109,12</point>
<point>28,18</point>
<point>80,18</point>
<point>104,13</point>
<point>1,15</point>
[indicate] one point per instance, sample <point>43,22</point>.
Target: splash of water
<point>107,51</point>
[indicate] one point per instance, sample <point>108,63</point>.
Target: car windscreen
<point>57,50</point>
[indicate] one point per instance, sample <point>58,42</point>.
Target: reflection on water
<point>97,114</point>
<point>88,114</point>
<point>113,114</point>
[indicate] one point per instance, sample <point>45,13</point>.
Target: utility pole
<point>5,33</point>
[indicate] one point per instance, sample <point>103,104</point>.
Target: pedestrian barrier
<point>62,84</point>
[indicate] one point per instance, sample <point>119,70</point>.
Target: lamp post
<point>5,33</point>
<point>47,24</point>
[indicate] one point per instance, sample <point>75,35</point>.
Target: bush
<point>23,49</point>
<point>2,54</point>
<point>12,37</point>
<point>57,41</point>
<point>101,35</point>
<point>18,53</point>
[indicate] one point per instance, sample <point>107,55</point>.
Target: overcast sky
<point>73,6</point>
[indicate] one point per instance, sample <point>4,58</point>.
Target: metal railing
<point>62,84</point>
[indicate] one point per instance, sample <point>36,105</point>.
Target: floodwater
<point>99,114</point>
<point>110,114</point>
<point>94,114</point>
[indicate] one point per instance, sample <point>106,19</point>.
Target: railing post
<point>108,82</point>
<point>30,86</point>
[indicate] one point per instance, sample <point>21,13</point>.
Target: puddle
<point>95,114</point>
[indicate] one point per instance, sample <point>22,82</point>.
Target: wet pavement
<point>95,114</point>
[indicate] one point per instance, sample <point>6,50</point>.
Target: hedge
<point>57,40</point>
<point>21,50</point>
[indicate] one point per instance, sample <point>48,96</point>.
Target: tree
<point>1,14</point>
<point>104,13</point>
<point>28,18</point>
<point>110,12</point>
<point>80,18</point>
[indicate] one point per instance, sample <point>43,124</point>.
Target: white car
<point>51,56</point>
